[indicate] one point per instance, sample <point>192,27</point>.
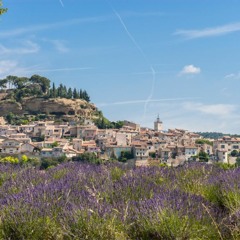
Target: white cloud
<point>27,48</point>
<point>221,110</point>
<point>209,32</point>
<point>190,69</point>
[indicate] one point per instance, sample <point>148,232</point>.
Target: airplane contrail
<point>144,101</point>
<point>153,72</point>
<point>129,34</point>
<point>61,2</point>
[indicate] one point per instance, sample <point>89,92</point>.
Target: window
<point>222,146</point>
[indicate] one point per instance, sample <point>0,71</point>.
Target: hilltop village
<point>47,139</point>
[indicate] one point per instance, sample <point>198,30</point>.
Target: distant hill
<point>215,135</point>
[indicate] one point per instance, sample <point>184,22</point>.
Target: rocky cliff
<point>57,106</point>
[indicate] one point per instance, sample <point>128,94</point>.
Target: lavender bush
<point>81,201</point>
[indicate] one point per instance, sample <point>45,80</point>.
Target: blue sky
<point>137,59</point>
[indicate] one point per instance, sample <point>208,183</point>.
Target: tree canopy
<point>2,10</point>
<point>38,86</point>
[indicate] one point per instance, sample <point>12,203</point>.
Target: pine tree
<point>81,94</point>
<point>60,91</point>
<point>70,93</point>
<point>86,97</point>
<point>64,92</point>
<point>75,93</point>
<point>54,91</point>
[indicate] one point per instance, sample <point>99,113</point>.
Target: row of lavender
<point>79,201</point>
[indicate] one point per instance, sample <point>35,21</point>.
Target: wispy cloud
<point>190,69</point>
<point>42,27</point>
<point>209,32</point>
<point>234,76</point>
<point>12,67</point>
<point>27,48</point>
<point>61,69</point>
<point>59,45</point>
<point>6,66</point>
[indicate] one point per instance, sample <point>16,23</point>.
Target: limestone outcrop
<point>56,106</point>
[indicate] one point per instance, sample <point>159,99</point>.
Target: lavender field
<point>80,201</point>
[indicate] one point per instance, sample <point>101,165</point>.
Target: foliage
<point>88,157</point>
<point>152,154</point>
<point>2,10</point>
<point>9,159</point>
<point>63,92</point>
<point>125,155</point>
<point>204,141</point>
<point>103,123</point>
<point>203,157</point>
<point>238,161</point>
<point>16,119</point>
<point>225,166</point>
<point>51,162</point>
<point>55,144</point>
<point>215,135</point>
<point>38,86</point>
<point>212,135</point>
<point>234,153</point>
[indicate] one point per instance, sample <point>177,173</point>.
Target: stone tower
<point>158,125</point>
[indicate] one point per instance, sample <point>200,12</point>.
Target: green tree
<point>203,157</point>
<point>125,155</point>
<point>55,144</point>
<point>70,93</point>
<point>87,157</point>
<point>3,83</point>
<point>10,118</point>
<point>81,94</point>
<point>65,91</point>
<point>2,10</point>
<point>75,94</point>
<point>234,153</point>
<point>11,81</point>
<point>60,91</point>
<point>42,81</point>
<point>20,82</point>
<point>54,91</point>
<point>85,96</point>
<point>238,161</point>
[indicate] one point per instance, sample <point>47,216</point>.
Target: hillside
<point>23,97</point>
